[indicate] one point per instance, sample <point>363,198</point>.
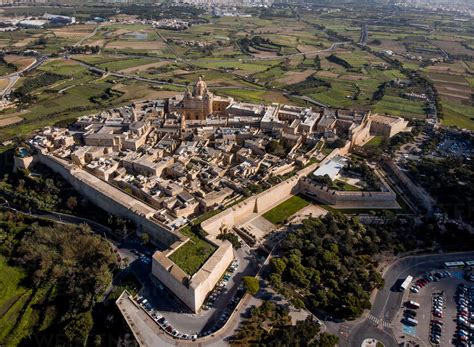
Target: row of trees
<point>82,49</point>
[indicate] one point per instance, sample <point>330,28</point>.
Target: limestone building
<point>199,104</point>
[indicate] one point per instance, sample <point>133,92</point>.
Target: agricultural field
<point>397,106</point>
<point>269,57</point>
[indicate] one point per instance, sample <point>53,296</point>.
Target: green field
<point>193,254</point>
<point>16,305</point>
<point>286,209</point>
<point>461,116</point>
<point>397,106</point>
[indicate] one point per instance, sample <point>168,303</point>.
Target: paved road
<point>14,77</point>
<point>378,323</point>
<point>125,248</point>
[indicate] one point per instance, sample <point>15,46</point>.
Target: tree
<point>317,63</point>
<point>71,202</point>
<point>78,327</point>
<point>278,264</point>
<point>145,238</point>
<point>328,340</point>
<point>251,284</point>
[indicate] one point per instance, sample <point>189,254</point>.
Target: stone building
<point>200,103</point>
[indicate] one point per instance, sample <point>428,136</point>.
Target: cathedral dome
<point>200,88</point>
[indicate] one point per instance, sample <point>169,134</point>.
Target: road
<point>126,249</point>
<point>364,35</point>
<point>14,77</point>
<point>378,323</point>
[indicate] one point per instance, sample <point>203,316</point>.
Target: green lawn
<point>344,186</point>
<point>193,254</point>
<point>280,213</point>
<point>375,142</point>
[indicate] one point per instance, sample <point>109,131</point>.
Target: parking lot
<point>175,318</point>
<point>437,320</point>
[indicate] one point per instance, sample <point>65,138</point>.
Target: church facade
<point>200,103</point>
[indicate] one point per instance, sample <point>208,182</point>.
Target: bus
<point>453,264</point>
<point>406,283</point>
<point>411,321</point>
<point>413,304</point>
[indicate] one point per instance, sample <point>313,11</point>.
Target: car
<point>194,336</point>
<point>437,321</point>
<point>438,314</point>
<point>414,289</point>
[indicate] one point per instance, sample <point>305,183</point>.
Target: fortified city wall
<point>192,290</point>
<point>346,199</point>
<point>90,186</point>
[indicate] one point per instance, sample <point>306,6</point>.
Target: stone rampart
<point>111,199</point>
<point>347,199</point>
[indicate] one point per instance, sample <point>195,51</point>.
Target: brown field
<point>99,43</point>
<point>453,47</point>
<point>457,68</point>
<point>20,61</point>
<point>306,48</point>
<point>327,74</point>
<point>452,87</point>
<point>9,121</point>
<point>24,42</point>
<point>141,92</point>
<point>144,67</point>
<point>353,77</point>
<point>68,34</point>
<point>293,77</point>
<point>276,97</point>
<point>395,46</point>
<point>4,83</point>
<point>139,45</point>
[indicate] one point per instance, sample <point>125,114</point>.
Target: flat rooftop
<point>332,167</point>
